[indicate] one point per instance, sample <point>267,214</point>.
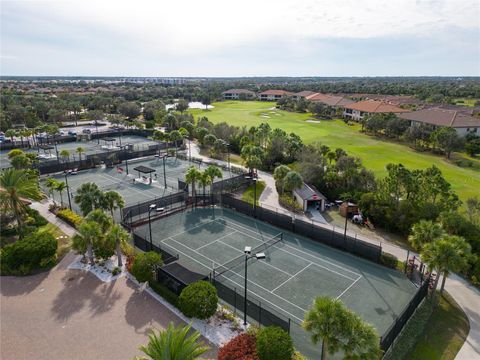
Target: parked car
<point>72,133</point>
<point>86,131</point>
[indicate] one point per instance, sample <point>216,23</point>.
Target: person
<point>155,176</point>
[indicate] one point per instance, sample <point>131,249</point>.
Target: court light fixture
<point>248,250</point>
<point>260,256</point>
<point>152,206</point>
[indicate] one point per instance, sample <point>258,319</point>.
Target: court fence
<point>327,236</point>
<point>145,245</point>
<point>389,336</point>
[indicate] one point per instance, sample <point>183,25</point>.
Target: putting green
<point>375,153</point>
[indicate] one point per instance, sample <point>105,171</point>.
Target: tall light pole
<point>248,256</point>
<point>68,192</point>
<point>150,209</point>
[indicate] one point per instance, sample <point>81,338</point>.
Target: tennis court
<point>295,271</point>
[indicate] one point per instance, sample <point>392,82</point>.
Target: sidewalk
<point>42,208</point>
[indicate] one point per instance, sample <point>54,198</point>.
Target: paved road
<point>467,296</point>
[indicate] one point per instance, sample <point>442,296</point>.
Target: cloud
<point>217,37</point>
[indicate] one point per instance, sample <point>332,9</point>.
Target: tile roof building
<point>356,111</point>
<point>273,95</point>
<point>237,94</point>
<point>460,121</point>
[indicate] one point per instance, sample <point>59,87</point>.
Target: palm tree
<point>65,155</point>
<point>192,176</point>
<point>16,185</point>
<point>112,200</point>
<point>61,186</point>
<point>331,156</point>
<point>103,220</point>
<point>174,343</point>
<point>448,254</point>
<point>80,150</point>
<point>88,197</point>
<point>10,133</point>
<point>293,180</point>
<point>363,342</point>
<point>424,232</point>
<point>279,175</point>
<point>174,136</point>
<point>118,235</point>
<point>213,172</point>
<point>204,180</point>
<point>87,233</point>
<point>328,321</point>
<point>51,185</point>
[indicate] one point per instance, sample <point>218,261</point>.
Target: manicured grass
<point>375,153</point>
<point>64,242</point>
<point>248,194</point>
<point>465,101</point>
<point>444,333</point>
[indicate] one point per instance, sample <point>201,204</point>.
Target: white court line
<point>348,288</point>
<point>194,227</point>
<point>299,250</point>
<point>300,257</point>
<point>253,283</point>
<point>291,277</point>
<point>127,183</point>
<point>214,241</point>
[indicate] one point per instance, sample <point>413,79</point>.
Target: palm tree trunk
<point>90,253</point>
<point>111,212</point>
<point>434,290</point>
<point>324,350</point>
<point>119,254</point>
<point>445,275</point>
<point>61,198</point>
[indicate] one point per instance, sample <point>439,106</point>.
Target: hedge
<point>37,250</point>
<point>274,343</point>
<point>70,217</point>
<point>144,264</point>
<point>165,292</point>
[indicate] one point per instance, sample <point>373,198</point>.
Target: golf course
<point>375,152</point>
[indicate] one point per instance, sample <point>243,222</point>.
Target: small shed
<point>176,277</point>
<point>309,196</point>
<point>144,170</point>
<point>348,209</point>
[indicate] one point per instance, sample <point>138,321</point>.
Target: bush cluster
<point>389,260</point>
<point>144,265</point>
<point>165,293</point>
<point>199,300</point>
<point>241,347</point>
<point>70,217</point>
<point>290,203</point>
<point>269,343</point>
<point>34,251</point>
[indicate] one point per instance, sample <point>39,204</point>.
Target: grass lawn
<point>374,152</point>
<point>444,333</point>
<point>465,101</point>
<point>64,242</point>
<point>248,194</point>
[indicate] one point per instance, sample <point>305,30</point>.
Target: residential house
<point>238,94</point>
<point>330,100</point>
<point>356,111</point>
<point>273,95</point>
<point>302,94</point>
<point>462,122</point>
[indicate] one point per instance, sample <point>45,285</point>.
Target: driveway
<point>70,314</point>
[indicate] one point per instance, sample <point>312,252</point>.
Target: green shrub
<point>198,300</point>
<point>116,270</point>
<point>165,293</point>
<point>70,217</point>
<point>274,343</point>
<point>290,203</point>
<point>297,355</point>
<point>36,250</point>
<point>389,260</point>
<point>144,265</point>
<point>38,220</point>
<point>407,339</point>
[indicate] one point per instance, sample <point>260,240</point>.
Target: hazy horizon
<point>314,38</point>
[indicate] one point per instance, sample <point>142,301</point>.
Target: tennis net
<point>229,265</point>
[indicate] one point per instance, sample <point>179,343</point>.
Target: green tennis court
<point>295,271</point>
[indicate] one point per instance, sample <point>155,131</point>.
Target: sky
<point>216,38</point>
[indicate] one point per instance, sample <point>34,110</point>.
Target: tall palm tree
<point>51,185</point>
<point>10,133</point>
<point>16,185</point>
<point>80,150</point>
<point>424,232</point>
<point>213,172</point>
<point>279,175</point>
<point>363,341</point>
<point>328,321</point>
<point>88,197</point>
<point>448,254</point>
<point>174,343</point>
<point>204,180</point>
<point>103,220</point>
<point>192,176</point>
<point>112,200</point>
<point>293,180</point>
<point>118,235</point>
<point>65,155</point>
<point>87,233</point>
<point>174,136</point>
<point>61,186</point>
